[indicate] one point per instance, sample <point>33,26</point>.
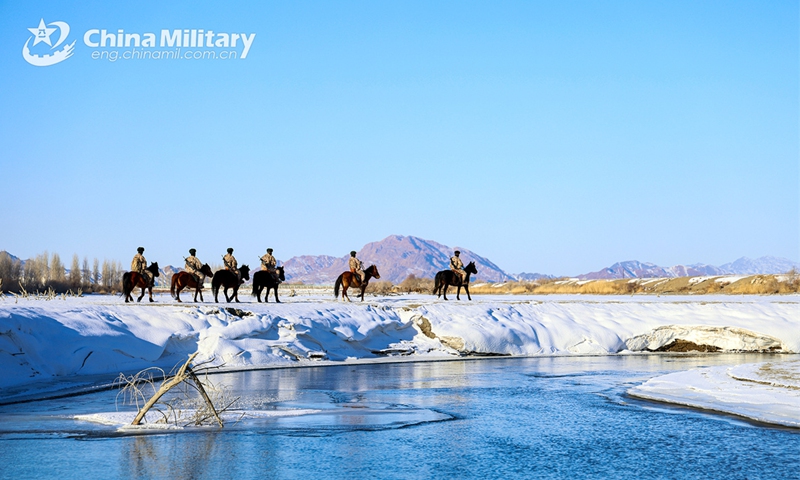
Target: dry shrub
<point>379,288</point>
<point>413,284</point>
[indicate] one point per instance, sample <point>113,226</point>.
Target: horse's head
<point>245,271</point>
<point>373,270</point>
<point>153,268</point>
<point>206,270</point>
<point>281,276</point>
<point>470,268</point>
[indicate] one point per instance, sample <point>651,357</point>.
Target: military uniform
<point>139,265</point>
<point>232,265</point>
<point>193,266</point>
<point>357,267</point>
<point>457,266</point>
<point>269,264</point>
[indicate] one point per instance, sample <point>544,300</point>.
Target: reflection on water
<point>498,418</point>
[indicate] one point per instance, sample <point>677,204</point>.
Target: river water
<point>546,417</point>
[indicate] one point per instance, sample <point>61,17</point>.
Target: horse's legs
<point>363,289</point>
<point>236,293</point>
<point>142,295</point>
<point>458,293</point>
<point>276,294</point>
<point>257,289</point>
<point>150,290</point>
<point>466,289</point>
<point>444,291</point>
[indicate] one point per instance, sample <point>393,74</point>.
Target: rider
<point>139,265</point>
<point>457,266</point>
<point>269,264</point>
<point>231,264</point>
<point>193,266</point>
<point>357,267</point>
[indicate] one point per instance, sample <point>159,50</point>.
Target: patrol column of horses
<point>270,276</point>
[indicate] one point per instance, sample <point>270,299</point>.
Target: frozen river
<point>546,417</point>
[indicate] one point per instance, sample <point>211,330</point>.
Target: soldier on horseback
<point>356,266</point>
<point>231,264</point>
<point>193,266</point>
<point>457,266</point>
<point>269,264</point>
<point>139,265</point>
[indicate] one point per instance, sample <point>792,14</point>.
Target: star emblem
<point>42,33</point>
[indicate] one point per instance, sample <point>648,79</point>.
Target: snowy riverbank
<point>765,392</point>
<point>98,335</point>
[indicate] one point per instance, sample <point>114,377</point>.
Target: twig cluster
<point>193,403</point>
<point>47,295</point>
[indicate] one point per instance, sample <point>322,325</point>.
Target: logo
<point>41,34</point>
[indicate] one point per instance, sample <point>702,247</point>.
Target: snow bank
<point>765,392</point>
<point>99,335</point>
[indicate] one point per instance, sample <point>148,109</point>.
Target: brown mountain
<point>396,257</point>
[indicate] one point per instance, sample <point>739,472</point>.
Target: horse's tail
<point>127,283</point>
<point>255,284</point>
<point>336,286</point>
<point>173,284</point>
<point>436,283</point>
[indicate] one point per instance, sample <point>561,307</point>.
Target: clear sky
<point>555,137</point>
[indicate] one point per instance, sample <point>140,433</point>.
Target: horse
<point>350,279</point>
<point>183,280</point>
<point>228,279</point>
<point>131,280</point>
<point>447,278</point>
<point>263,279</point>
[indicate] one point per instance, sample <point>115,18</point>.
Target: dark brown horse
<point>228,279</point>
<point>131,280</point>
<point>263,279</point>
<point>350,279</point>
<point>447,278</point>
<point>183,280</point>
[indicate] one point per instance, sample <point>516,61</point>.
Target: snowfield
<point>52,346</point>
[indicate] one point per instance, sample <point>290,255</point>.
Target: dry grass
<point>753,285</point>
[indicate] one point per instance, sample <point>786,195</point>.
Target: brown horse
<point>449,277</point>
<point>228,279</point>
<point>183,280</point>
<point>131,280</point>
<point>350,279</point>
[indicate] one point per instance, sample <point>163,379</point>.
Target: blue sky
<point>556,137</point>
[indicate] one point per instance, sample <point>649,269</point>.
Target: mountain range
<point>742,266</point>
<point>398,257</point>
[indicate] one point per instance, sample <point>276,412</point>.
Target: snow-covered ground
<point>766,392</point>
<point>50,346</point>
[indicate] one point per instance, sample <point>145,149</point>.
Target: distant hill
<point>397,257</point>
<point>529,277</point>
<point>762,265</point>
<point>742,266</point>
<point>12,257</point>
